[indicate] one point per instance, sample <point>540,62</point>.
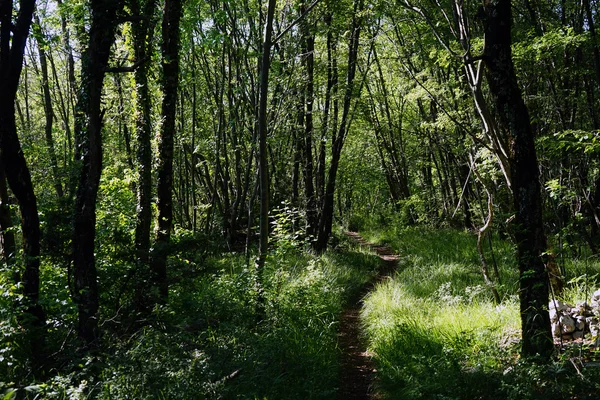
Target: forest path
<point>357,371</point>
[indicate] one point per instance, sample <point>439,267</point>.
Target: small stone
<point>555,329</point>
<point>557,305</point>
<point>553,315</point>
<point>577,335</point>
<point>580,323</point>
<point>567,323</point>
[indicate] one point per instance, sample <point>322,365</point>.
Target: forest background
<point>153,151</point>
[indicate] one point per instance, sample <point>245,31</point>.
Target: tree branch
<point>295,22</point>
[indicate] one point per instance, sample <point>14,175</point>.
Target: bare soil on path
<point>357,372</point>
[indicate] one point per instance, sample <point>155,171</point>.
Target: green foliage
<point>208,343</point>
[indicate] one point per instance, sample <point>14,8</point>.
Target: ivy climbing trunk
<point>170,79</point>
<point>529,230</point>
<point>143,33</point>
<point>88,156</point>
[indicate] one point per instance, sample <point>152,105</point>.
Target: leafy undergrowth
<point>208,342</point>
<point>436,333</point>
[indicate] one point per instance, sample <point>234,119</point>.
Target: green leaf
<point>10,394</point>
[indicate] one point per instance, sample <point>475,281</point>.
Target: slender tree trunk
<point>332,79</point>
<point>326,217</point>
<point>48,111</point>
<point>308,50</point>
<point>529,229</point>
<point>263,169</point>
<point>170,79</point>
<point>88,140</point>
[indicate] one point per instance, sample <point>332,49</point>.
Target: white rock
<point>553,315</point>
<point>555,329</point>
<point>567,323</point>
<point>557,305</point>
<point>580,323</point>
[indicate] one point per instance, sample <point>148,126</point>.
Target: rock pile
<point>573,322</point>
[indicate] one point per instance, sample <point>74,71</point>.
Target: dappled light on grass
<point>436,333</point>
<point>211,343</point>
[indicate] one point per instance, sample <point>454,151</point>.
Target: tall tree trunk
<point>330,92</point>
<point>88,142</point>
<point>13,37</point>
<point>143,33</point>
<point>308,50</point>
<point>529,229</point>
<point>326,216</point>
<point>263,169</point>
<point>48,111</point>
<point>170,79</point>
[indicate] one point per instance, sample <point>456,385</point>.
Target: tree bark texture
<point>143,32</point>
<point>13,38</point>
<point>308,60</point>
<point>170,79</point>
<point>88,142</point>
<point>528,232</point>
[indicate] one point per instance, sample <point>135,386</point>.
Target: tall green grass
<point>436,334</point>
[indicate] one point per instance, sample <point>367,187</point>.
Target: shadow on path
<point>357,372</point>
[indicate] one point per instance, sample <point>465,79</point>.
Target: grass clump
<point>427,346</point>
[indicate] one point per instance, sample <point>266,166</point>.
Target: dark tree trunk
<point>8,246</point>
<point>330,92</point>
<point>308,50</point>
<point>143,33</point>
<point>529,232</point>
<point>88,153</point>
<point>13,37</point>
<point>170,79</point>
<point>263,169</point>
<point>326,216</point>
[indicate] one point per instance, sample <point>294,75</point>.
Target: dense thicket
<point>446,113</point>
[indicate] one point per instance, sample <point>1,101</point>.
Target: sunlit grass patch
<point>436,333</point>
<point>426,338</point>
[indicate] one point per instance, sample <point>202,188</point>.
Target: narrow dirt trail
<point>357,372</point>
